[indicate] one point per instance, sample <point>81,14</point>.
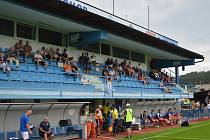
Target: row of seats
<point>57,131</point>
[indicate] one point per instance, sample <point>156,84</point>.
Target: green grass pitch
<point>196,131</point>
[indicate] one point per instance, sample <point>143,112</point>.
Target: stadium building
<point>81,28</point>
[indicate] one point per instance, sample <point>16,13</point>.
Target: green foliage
<point>195,78</point>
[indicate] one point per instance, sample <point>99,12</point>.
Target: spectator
<point>108,62</point>
<point>51,54</point>
<point>81,58</point>
<point>64,55</point>
<point>25,125</point>
<point>86,63</point>
<point>44,129</point>
<point>105,71</point>
<point>27,50</point>
<point>38,59</point>
<point>11,57</point>
<point>93,60</point>
<point>3,63</point>
<point>19,48</point>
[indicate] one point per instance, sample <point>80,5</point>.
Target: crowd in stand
<point>112,68</point>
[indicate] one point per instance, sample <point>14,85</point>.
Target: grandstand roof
<point>90,19</point>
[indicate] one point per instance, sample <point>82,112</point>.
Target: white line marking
<point>160,135</point>
<point>182,138</point>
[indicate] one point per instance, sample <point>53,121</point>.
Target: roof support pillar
<point>177,74</point>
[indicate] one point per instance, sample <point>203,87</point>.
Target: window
<point>95,48</point>
<point>120,53</point>
<point>50,37</point>
<point>137,57</point>
<point>26,31</point>
<point>6,27</point>
<point>105,49</point>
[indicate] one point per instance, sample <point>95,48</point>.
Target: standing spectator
<point>25,125</point>
<point>19,48</point>
<point>27,50</point>
<point>44,129</point>
<point>86,62</point>
<point>99,119</point>
<point>64,55</point>
<point>128,113</point>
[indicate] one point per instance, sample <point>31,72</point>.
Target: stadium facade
<point>80,27</point>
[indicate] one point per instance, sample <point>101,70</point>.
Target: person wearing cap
<point>128,113</point>
<point>99,119</point>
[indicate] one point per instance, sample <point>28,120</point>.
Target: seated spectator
<point>67,67</point>
<point>51,53</point>
<point>105,71</point>
<point>75,69</point>
<point>132,72</point>
<point>143,119</point>
<point>57,55</point>
<point>44,129</point>
<point>152,118</point>
<point>112,73</point>
<point>27,50</point>
<point>38,59</point>
<point>19,48</point>
<point>139,68</point>
<point>92,60</point>
<point>11,57</point>
<point>4,64</point>
<point>120,71</point>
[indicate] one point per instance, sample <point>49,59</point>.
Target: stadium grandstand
<point>61,57</point>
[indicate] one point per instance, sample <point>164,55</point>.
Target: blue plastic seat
<point>2,136</point>
<point>11,134</point>
<point>60,131</point>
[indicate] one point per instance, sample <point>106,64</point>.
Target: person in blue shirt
<point>25,125</point>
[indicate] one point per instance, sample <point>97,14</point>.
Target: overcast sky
<point>186,21</point>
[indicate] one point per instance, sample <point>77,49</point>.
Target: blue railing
<point>195,114</point>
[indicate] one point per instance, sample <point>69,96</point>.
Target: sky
<point>186,21</point>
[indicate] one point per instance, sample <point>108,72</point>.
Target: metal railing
<point>195,114</point>
<point>95,10</point>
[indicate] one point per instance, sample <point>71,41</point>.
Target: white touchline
<point>183,138</point>
<point>173,132</point>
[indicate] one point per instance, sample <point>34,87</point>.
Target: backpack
<point>185,123</point>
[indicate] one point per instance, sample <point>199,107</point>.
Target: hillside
<point>195,78</point>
